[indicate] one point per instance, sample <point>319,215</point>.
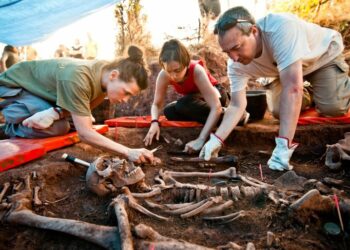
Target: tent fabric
<point>311,116</point>
<point>24,22</point>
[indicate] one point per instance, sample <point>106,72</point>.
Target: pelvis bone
<point>107,174</point>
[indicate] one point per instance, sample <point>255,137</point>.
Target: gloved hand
<point>42,119</point>
<point>281,155</point>
<point>140,155</point>
<point>154,130</point>
<point>194,146</point>
<point>211,148</point>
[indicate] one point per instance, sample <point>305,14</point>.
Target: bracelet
<point>59,111</point>
<point>155,120</point>
<point>218,137</point>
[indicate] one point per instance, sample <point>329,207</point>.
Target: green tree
<point>131,24</point>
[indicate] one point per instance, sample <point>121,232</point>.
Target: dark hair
<point>235,17</point>
<point>133,66</point>
<point>174,50</point>
<point>10,48</point>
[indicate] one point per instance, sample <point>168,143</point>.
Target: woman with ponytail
<point>40,97</point>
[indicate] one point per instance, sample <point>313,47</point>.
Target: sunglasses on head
<point>225,25</point>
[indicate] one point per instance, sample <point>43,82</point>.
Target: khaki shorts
<point>329,91</point>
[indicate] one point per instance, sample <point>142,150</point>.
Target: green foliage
<point>327,13</point>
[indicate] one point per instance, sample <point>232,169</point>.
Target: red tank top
<point>188,86</point>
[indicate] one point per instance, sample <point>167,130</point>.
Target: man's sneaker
<point>244,120</point>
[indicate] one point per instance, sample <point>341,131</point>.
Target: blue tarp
<point>23,22</point>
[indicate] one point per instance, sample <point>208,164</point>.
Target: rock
<point>290,181</point>
<point>313,201</point>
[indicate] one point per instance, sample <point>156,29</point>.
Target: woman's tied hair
<point>235,17</point>
<point>133,66</point>
<point>174,50</point>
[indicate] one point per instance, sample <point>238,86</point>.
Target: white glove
<point>194,146</point>
<point>281,155</point>
<point>211,148</point>
<point>42,119</point>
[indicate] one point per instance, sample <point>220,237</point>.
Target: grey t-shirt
<point>285,40</point>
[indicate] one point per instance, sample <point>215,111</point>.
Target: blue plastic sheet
<point>24,22</point>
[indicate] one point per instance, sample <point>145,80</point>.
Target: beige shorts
<point>329,91</point>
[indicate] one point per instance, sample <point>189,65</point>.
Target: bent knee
<point>332,111</point>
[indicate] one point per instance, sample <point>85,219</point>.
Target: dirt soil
<point>66,196</point>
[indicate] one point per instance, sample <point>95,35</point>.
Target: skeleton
<point>109,237</point>
<point>198,199</point>
<point>105,175</point>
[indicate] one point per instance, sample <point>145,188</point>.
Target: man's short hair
<point>235,17</point>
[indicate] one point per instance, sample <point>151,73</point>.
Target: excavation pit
<point>64,195</point>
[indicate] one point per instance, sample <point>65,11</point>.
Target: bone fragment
<point>123,223</point>
<point>270,237</point>
<point>332,181</point>
<point>37,201</point>
<point>34,175</point>
<point>231,246</point>
<point>273,196</point>
<point>203,207</point>
<point>187,208</point>
<point>229,160</point>
<point>131,201</point>
<point>219,208</point>
<point>17,187</point>
<point>224,217</point>
<point>250,246</point>
<point>256,183</point>
<point>153,240</point>
<point>154,192</point>
<point>177,206</point>
<point>155,205</point>
<point>4,190</point>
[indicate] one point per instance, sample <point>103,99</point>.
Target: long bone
<point>229,173</point>
<point>21,214</point>
<point>119,204</point>
<point>153,240</point>
<point>37,201</point>
<point>227,218</point>
<point>229,160</point>
<point>4,190</point>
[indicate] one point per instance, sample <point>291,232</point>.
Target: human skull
<point>107,174</point>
